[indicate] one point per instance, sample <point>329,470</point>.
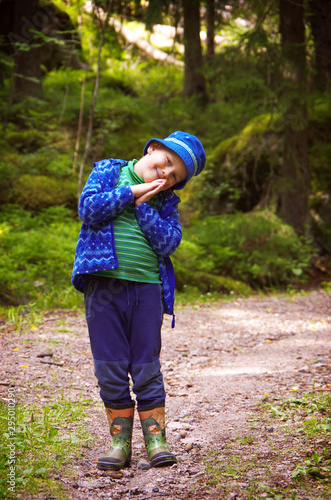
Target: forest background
<point>82,81</point>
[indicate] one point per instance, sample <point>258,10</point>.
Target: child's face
<point>161,163</point>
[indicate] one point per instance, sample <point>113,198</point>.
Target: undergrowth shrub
<point>256,248</point>
<point>227,254</point>
<point>35,192</point>
<point>26,141</point>
<point>47,160</point>
<point>36,252</point>
<point>31,113</point>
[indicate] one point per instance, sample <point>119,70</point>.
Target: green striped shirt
<point>136,258</point>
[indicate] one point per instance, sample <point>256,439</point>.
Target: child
<point>130,227</point>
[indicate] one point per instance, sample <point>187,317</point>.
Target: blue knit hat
<point>189,148</point>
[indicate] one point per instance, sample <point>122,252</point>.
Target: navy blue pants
<point>124,320</point>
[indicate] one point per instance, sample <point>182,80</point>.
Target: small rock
<point>188,447</point>
<point>198,474</point>
<point>155,489</point>
<point>184,414</point>
<point>322,361</point>
<point>114,474</point>
<point>96,485</point>
<point>270,429</point>
<point>188,440</point>
<point>187,426</point>
<point>135,491</point>
<point>143,465</point>
<point>183,434</point>
<point>174,426</point>
<point>304,369</point>
<point>179,426</point>
<point>127,473</point>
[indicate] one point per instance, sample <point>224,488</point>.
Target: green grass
<point>43,443</point>
<point>253,465</point>
<point>311,416</point>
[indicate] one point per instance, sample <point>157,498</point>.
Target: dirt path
<point>219,363</point>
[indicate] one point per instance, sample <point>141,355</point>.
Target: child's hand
<point>145,192</point>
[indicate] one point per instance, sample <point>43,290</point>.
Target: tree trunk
<point>294,188</point>
<point>80,125</point>
<point>210,21</point>
<point>27,70</point>
<point>320,21</point>
<point>194,82</point>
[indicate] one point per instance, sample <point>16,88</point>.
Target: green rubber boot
<point>153,425</point>
<point>121,424</point>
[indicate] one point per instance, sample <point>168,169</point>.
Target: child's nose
<point>167,171</point>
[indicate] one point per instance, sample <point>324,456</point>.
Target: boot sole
<point>110,466</point>
<point>118,465</point>
<point>163,459</point>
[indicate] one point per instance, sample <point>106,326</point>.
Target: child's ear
<point>152,147</point>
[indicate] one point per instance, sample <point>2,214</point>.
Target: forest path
<point>219,364</point>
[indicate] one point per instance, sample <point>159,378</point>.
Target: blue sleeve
<point>98,205</point>
<point>164,235</point>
